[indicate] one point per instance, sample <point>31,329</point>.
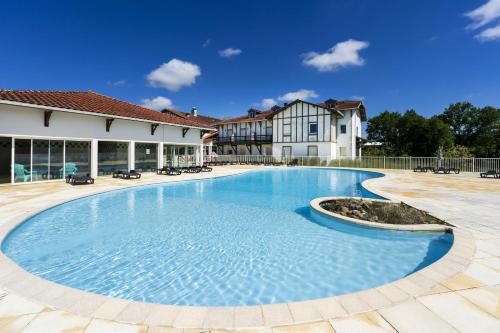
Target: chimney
<point>285,104</point>
<point>194,111</point>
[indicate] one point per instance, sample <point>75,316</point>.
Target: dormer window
<point>251,114</point>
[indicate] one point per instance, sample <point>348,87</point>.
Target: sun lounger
<point>489,173</point>
<point>420,169</point>
<point>294,162</point>
<point>205,168</point>
<point>131,174</point>
<point>442,170</point>
<point>79,179</point>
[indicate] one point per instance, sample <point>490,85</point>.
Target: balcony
<point>244,140</point>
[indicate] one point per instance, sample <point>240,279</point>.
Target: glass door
<point>5,160</point>
<point>22,160</point>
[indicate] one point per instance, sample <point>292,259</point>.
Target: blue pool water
<point>239,240</point>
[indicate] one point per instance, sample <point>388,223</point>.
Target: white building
<point>45,135</point>
<point>331,129</point>
<point>250,134</point>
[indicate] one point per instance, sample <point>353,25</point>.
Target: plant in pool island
<point>381,212</point>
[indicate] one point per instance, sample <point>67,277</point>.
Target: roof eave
<point>53,108</point>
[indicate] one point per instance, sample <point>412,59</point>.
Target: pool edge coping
<point>22,283</point>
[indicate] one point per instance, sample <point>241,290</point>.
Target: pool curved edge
<point>16,280</point>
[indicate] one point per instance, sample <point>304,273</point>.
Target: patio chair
<point>488,173</point>
<point>420,169</point>
<point>132,174</point>
<point>80,179</point>
<point>69,169</point>
<point>172,171</point>
<point>20,173</point>
<point>206,168</point>
<point>442,170</point>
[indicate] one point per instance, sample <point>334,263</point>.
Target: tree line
<point>462,130</point>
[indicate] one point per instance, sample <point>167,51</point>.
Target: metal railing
<point>465,164</point>
<point>244,139</point>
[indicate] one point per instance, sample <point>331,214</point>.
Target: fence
<point>465,164</point>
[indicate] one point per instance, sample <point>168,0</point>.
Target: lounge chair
<point>131,174</point>
<point>205,168</point>
<point>118,174</point>
<point>79,179</point>
<point>194,169</point>
<point>294,162</point>
<point>171,171</point>
<point>420,169</point>
<point>442,170</point>
<point>455,170</point>
<point>488,173</point>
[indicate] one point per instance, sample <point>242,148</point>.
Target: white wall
<point>24,121</point>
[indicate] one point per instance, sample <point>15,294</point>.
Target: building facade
<point>251,134</point>
<point>45,135</point>
<point>330,129</point>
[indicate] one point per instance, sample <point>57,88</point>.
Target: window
<point>145,156</point>
<point>111,157</point>
<point>77,157</point>
<point>312,150</point>
<point>313,128</point>
<point>343,129</point>
<point>6,159</point>
<point>22,161</point>
<point>286,151</point>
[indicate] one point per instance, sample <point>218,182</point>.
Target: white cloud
<point>174,75</point>
<point>489,34</point>
<point>343,54</point>
<point>268,102</point>
<point>116,83</point>
<point>485,14</point>
<point>158,103</point>
<point>300,94</point>
<point>357,98</point>
<point>229,52</point>
<point>206,43</point>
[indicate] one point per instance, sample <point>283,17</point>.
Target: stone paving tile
<point>219,317</point>
<point>437,289</point>
<point>353,304</point>
<point>412,317</point>
<point>244,330</point>
<point>248,316</point>
<point>483,274</point>
<point>190,317</point>
<point>110,309</point>
<point>162,329</point>
<point>101,326</point>
<point>318,327</point>
<point>57,321</point>
<point>16,324</point>
<point>491,262</point>
<point>162,315</point>
<point>461,281</point>
<point>304,312</point>
<point>329,308</point>
<point>462,314</point>
<point>370,322</point>
<point>135,312</point>
<point>393,293</point>
<point>276,314</point>
<point>486,298</point>
<point>14,306</point>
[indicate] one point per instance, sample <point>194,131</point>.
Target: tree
<point>485,139</point>
<point>458,117</point>
<point>383,128</point>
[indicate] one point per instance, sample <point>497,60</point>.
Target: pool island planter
<point>16,280</point>
<point>316,206</point>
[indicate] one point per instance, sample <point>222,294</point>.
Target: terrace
<point>459,293</point>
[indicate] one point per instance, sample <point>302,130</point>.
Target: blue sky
<point>227,56</point>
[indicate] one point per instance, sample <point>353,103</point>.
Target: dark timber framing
<point>302,117</point>
<point>184,131</point>
<point>46,118</point>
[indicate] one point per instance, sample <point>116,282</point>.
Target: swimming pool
<point>239,240</point>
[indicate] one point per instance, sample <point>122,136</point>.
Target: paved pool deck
<point>455,295</point>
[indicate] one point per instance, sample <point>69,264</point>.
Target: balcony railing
<point>245,139</point>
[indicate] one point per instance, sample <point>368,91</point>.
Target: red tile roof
<point>204,120</point>
<point>261,115</point>
<point>89,101</point>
